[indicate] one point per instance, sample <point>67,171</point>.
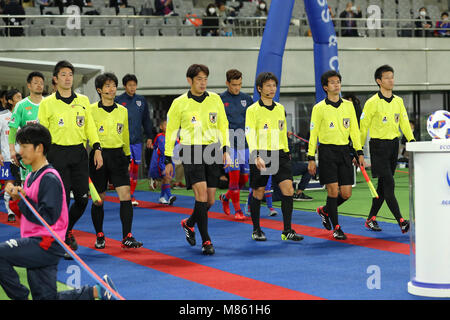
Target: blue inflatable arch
<point>275,34</point>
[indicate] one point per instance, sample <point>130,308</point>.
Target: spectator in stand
<point>13,7</point>
<point>261,9</point>
<point>118,4</point>
<point>210,21</point>
<point>348,26</point>
<point>224,12</point>
<point>163,7</point>
<point>423,24</point>
<point>443,26</point>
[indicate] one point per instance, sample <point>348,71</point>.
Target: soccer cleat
<point>338,234</point>
<point>129,242</point>
<point>189,231</point>
<point>225,204</point>
<point>163,200</point>
<point>291,235</point>
<point>171,200</point>
<point>178,185</point>
<point>259,235</point>
<point>272,212</point>
<point>372,224</point>
<point>70,240</point>
<point>207,248</point>
<point>134,202</point>
<point>239,215</point>
<point>325,218</point>
<point>104,294</point>
<point>404,225</point>
<point>100,242</point>
<point>301,197</point>
<point>11,218</point>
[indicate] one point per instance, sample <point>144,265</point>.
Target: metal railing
<point>138,25</point>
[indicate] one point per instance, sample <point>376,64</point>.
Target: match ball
<point>438,124</point>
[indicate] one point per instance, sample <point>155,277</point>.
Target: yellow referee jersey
<point>69,124</point>
<point>333,123</point>
<point>265,128</point>
<point>112,127</point>
<point>383,119</point>
<point>202,120</point>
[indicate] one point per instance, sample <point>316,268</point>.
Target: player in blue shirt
<point>157,166</point>
<point>138,118</point>
<point>236,104</point>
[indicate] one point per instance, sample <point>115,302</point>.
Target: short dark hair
<point>9,96</point>
<point>62,64</point>
<point>101,79</point>
<point>3,93</point>
<point>35,134</point>
<point>129,77</point>
<point>35,74</point>
<point>445,13</point>
<point>327,75</point>
<point>195,69</point>
<point>233,74</point>
<point>380,70</point>
<point>264,77</point>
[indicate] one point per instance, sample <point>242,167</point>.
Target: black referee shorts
<point>72,164</point>
<point>114,169</point>
<point>258,179</point>
<point>383,156</point>
<point>200,164</point>
<point>335,165</point>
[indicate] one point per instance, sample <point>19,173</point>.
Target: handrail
<point>238,26</point>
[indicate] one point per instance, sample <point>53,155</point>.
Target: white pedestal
<point>430,218</point>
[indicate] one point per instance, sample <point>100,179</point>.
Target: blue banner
<point>270,57</point>
<point>325,41</point>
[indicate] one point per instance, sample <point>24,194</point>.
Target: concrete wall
<point>160,63</point>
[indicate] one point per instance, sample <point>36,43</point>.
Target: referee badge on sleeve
<point>119,128</point>
<point>346,123</point>
<point>213,117</point>
<point>80,121</point>
<point>281,124</point>
<point>397,117</point>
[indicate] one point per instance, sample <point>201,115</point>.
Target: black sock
<point>332,210</point>
<point>126,217</point>
<point>287,204</point>
<point>255,208</point>
<point>377,202</point>
<point>193,219</point>
<point>340,200</point>
<point>97,214</point>
<point>202,219</point>
<point>77,210</point>
<point>389,196</point>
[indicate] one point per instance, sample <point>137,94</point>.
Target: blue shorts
<point>5,171</point>
<point>239,158</point>
<point>136,152</point>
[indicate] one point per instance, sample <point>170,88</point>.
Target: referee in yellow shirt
<point>67,116</point>
<point>200,118</point>
<point>266,132</point>
<point>333,121</point>
<point>111,121</point>
<point>383,114</point>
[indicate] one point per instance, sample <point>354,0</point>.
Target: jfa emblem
<point>384,120</point>
<point>331,125</point>
<point>193,120</point>
<point>266,126</point>
<point>397,117</point>
<point>101,129</point>
<point>346,122</point>
<point>244,103</point>
<point>119,128</point>
<point>61,122</point>
<point>80,121</point>
<point>280,124</point>
<point>213,117</point>
<point>139,103</point>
